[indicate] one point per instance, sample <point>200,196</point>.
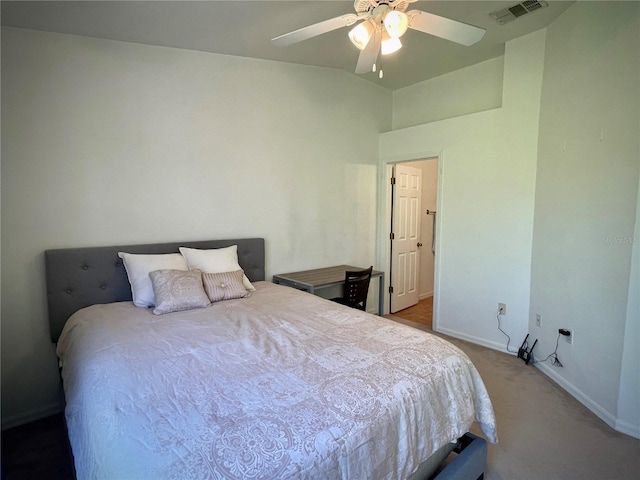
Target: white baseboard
<point>605,416</point>
<point>422,296</point>
<point>501,347</point>
<point>628,428</point>
<point>31,416</point>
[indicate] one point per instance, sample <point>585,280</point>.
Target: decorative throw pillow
<point>217,260</point>
<point>177,290</point>
<point>138,268</point>
<point>224,286</point>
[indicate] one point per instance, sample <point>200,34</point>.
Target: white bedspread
<point>281,384</point>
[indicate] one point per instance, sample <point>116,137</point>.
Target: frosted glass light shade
<point>390,45</point>
<point>396,23</point>
<point>361,34</point>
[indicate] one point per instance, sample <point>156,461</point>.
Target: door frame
<point>384,222</point>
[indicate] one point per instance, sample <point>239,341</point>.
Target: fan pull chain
<point>373,67</point>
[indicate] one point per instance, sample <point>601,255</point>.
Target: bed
<point>275,384</point>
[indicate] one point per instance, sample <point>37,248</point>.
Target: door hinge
<point>393,180</point>
<point>392,236</point>
<point>390,289</point>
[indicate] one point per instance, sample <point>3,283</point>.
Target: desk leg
<point>381,295</point>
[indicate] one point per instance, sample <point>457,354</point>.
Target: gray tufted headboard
<point>79,277</point>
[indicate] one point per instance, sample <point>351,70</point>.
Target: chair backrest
<point>356,287</point>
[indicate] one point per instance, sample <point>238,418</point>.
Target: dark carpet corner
<point>37,450</point>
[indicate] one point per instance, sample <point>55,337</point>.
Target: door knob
<point>419,244</point>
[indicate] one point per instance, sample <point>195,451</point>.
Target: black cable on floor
<point>556,361</point>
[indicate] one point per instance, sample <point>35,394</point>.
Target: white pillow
<point>217,260</point>
<point>138,268</point>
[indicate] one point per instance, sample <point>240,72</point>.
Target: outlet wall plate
<point>569,338</point>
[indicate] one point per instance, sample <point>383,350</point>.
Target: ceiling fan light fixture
<point>390,45</point>
<point>381,24</point>
<point>396,23</point>
<point>361,34</point>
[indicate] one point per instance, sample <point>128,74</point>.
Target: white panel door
<point>405,243</point>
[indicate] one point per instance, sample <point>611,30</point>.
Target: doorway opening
<point>413,240</point>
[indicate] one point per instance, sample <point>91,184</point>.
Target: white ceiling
<point>244,28</point>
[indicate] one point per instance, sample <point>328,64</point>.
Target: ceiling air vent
<point>506,15</point>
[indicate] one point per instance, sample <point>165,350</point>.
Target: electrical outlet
<point>502,309</point>
<point>569,338</point>
<point>538,319</point>
<point>567,333</point>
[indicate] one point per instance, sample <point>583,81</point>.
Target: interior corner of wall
<point>523,69</point>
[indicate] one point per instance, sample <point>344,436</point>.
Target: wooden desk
<point>312,280</point>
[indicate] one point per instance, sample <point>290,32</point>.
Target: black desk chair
<point>356,288</point>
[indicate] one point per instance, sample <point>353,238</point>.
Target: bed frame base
<point>470,461</point>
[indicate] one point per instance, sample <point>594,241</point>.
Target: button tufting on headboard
<point>97,274</point>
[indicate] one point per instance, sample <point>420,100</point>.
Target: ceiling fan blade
<point>369,55</point>
<point>446,28</point>
<point>315,30</point>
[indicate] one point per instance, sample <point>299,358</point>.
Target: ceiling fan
<point>382,24</point>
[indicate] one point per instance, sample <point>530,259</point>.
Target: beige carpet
<point>544,433</point>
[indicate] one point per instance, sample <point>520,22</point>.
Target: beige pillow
<point>178,290</point>
<point>224,286</point>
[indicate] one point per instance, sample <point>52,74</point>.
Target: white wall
<point>429,202</point>
<point>109,142</point>
<point>586,201</point>
<point>569,125</point>
<point>628,411</point>
<point>486,201</point>
<point>468,90</point>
